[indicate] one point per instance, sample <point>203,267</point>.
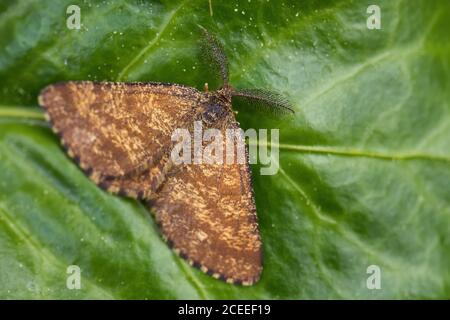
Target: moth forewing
<point>119,133</point>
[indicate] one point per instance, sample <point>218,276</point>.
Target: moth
<point>120,136</point>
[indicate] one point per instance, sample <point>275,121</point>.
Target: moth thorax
<point>212,113</point>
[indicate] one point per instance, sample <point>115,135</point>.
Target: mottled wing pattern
<point>120,133</point>
<point>207,214</point>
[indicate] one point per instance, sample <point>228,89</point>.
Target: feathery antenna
<point>269,100</point>
<point>214,53</point>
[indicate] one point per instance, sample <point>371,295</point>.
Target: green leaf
<point>365,161</point>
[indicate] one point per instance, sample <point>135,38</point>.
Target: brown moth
<point>120,136</point>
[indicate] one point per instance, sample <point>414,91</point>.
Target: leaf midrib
<point>31,112</point>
